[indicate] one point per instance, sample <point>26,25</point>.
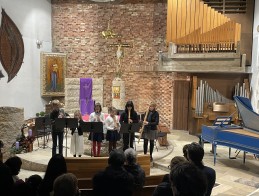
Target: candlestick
<point>17,145</point>
<point>30,132</point>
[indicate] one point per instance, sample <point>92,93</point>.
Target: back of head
<point>131,156</point>
<point>56,166</point>
<point>176,160</point>
<point>186,179</point>
<point>116,158</point>
<point>66,185</point>
<point>195,154</point>
<point>185,147</point>
<point>34,181</point>
<point>6,180</point>
<point>14,163</point>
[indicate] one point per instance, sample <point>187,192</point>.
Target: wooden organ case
<point>205,45</point>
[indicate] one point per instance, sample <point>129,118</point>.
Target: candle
<point>30,132</point>
<point>17,145</point>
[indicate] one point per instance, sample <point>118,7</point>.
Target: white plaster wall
<point>255,60</point>
<point>33,19</point>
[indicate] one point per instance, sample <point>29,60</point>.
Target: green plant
<point>42,113</point>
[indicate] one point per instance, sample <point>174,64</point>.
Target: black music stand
<point>135,127</point>
<point>62,123</point>
<point>42,126</point>
<point>92,128</point>
<point>130,128</point>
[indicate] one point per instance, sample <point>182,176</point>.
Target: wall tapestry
<point>11,46</point>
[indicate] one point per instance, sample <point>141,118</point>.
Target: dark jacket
<point>53,116</point>
<point>113,182</point>
<point>138,174</point>
<point>153,121</point>
<point>211,178</point>
<point>79,128</point>
<point>163,189</point>
<point>133,116</point>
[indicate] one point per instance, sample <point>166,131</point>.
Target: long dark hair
<point>56,167</point>
<point>129,103</point>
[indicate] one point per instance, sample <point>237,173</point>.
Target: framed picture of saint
<point>116,92</point>
<point>53,73</point>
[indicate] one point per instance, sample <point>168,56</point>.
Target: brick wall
<point>76,28</point>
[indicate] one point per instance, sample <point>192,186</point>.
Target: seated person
<point>114,180</point>
<point>174,161</point>
<point>185,151</point>
<point>186,179</point>
<point>66,185</point>
<point>195,155</point>
<point>14,163</point>
<point>164,188</point>
<point>132,167</point>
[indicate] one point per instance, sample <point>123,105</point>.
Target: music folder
<point>130,128</point>
<point>125,127</point>
<point>96,127</point>
<point>61,123</point>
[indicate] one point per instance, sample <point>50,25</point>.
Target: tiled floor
<point>233,177</point>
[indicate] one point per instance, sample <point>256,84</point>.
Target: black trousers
<point>151,146</point>
<point>126,142</point>
<point>57,135</point>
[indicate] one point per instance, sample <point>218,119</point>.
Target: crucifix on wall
<point>120,52</point>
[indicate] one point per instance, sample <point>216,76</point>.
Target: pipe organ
<point>207,103</point>
<point>194,27</point>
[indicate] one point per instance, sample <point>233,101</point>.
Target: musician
<point>128,116</point>
<point>112,125</point>
<point>77,139</point>
<point>57,133</point>
<point>150,129</point>
<point>96,116</point>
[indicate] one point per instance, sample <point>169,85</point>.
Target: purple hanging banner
<point>86,102</point>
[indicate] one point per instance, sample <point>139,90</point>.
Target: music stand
<point>62,123</point>
<point>92,128</point>
<point>41,124</point>
<point>125,127</point>
<point>135,127</point>
<point>129,128</point>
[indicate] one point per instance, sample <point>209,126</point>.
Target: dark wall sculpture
<point>11,46</point>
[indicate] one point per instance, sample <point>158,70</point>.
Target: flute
<point>129,116</point>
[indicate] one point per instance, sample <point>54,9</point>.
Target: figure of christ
<point>54,77</point>
<point>120,52</point>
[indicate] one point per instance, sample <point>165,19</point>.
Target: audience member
<point>132,167</point>
<point>175,160</point>
<point>195,154</point>
<point>164,188</point>
<point>22,189</point>
<point>66,185</point>
<point>6,180</point>
<point>56,167</point>
<point>186,179</point>
<point>114,180</point>
<point>34,181</point>
<point>14,163</point>
<point>185,151</point>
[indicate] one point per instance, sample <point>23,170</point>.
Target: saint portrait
<point>53,68</point>
<point>116,92</point>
